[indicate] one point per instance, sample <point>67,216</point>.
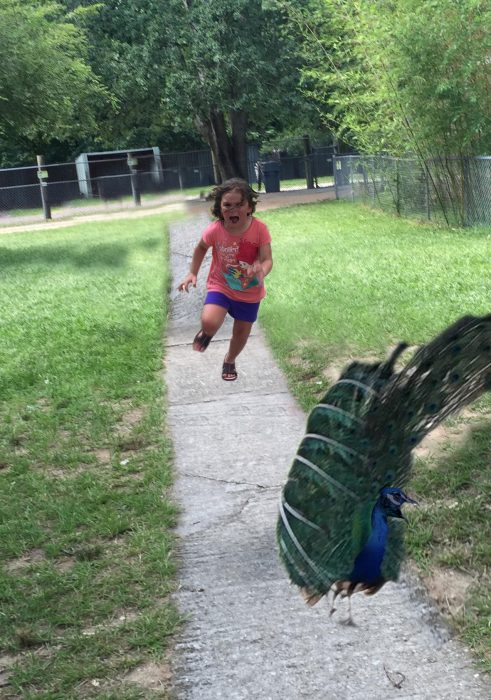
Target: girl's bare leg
<point>212,318</point>
<point>240,335</point>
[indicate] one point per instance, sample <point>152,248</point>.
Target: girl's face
<point>235,210</point>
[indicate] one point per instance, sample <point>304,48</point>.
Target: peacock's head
<point>391,500</point>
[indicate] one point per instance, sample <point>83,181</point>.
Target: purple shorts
<point>240,310</point>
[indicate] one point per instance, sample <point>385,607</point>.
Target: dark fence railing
<point>456,191</point>
<point>125,177</point>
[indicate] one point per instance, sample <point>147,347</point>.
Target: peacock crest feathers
<point>359,441</point>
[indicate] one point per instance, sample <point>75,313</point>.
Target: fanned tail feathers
<point>359,439</point>
<point>443,377</point>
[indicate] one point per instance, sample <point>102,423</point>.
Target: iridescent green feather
<point>359,439</point>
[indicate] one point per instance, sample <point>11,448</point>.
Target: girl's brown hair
<point>235,183</point>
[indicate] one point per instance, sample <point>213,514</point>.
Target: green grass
<point>85,467</point>
<point>350,282</point>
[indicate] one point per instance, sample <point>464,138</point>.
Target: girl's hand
<point>256,269</point>
<point>189,279</point>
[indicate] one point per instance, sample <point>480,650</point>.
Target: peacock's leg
<point>335,593</point>
<point>350,622</point>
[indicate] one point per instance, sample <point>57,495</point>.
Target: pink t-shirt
<point>231,255</point>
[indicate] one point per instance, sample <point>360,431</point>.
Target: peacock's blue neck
<point>368,563</point>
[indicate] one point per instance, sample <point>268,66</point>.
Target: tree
<point>174,73</point>
<point>127,51</point>
<point>442,73</point>
<point>46,87</point>
<point>400,76</point>
<point>231,67</point>
<point>202,66</point>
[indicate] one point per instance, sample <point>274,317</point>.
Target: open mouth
<point>234,219</point>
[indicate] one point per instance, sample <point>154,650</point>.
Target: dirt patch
<point>118,621</point>
<point>151,676</point>
<point>333,371</point>
<point>72,216</point>
<point>57,473</point>
<point>6,663</point>
<point>103,455</point>
<point>449,588</point>
<point>435,441</point>
<point>35,556</point>
<point>133,417</point>
<point>273,200</point>
<point>75,220</point>
<point>65,565</point>
<point>432,443</point>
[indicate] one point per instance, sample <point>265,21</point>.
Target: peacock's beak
<point>408,499</point>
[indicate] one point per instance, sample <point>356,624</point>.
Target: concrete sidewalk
<point>248,634</point>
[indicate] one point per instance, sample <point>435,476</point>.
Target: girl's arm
<point>262,266</point>
<point>265,258</point>
<point>192,276</point>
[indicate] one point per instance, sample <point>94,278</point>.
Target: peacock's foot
<point>349,622</point>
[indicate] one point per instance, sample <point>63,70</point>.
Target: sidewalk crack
<point>230,481</point>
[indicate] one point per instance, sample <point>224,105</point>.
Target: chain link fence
<point>455,191</point>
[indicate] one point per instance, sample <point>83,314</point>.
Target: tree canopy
<point>184,73</point>
<point>386,76</point>
<point>47,89</point>
<point>194,66</point>
<point>399,76</point>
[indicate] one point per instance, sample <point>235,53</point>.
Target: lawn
<point>85,466</point>
<point>351,282</point>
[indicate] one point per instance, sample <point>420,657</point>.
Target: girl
<point>241,259</point>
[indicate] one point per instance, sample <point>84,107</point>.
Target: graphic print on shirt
<point>235,261</point>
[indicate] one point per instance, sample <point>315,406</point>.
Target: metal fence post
<point>351,178</point>
<point>335,162</point>
<point>398,189</point>
<point>308,163</point>
<point>467,214</point>
<point>132,162</point>
<point>373,169</point>
<point>43,176</point>
<point>427,190</point>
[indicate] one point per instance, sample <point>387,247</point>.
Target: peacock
<point>340,525</point>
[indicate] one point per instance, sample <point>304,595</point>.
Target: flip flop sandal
<point>201,341</point>
<point>229,373</point>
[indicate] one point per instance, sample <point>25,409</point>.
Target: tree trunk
<point>229,153</point>
<point>224,147</point>
<point>238,121</point>
<point>206,131</point>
